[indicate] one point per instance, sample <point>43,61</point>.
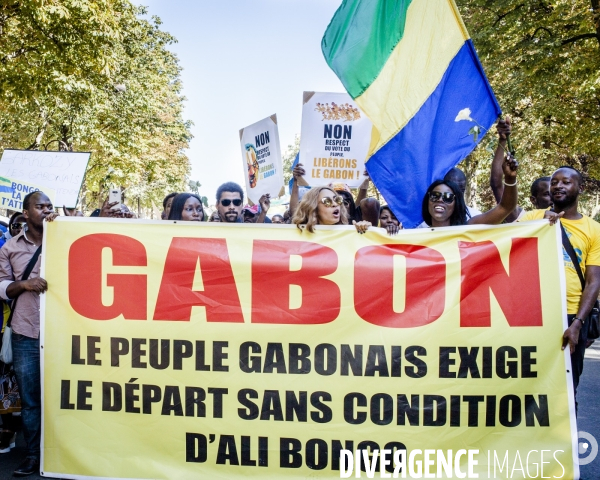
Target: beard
<point>567,201</point>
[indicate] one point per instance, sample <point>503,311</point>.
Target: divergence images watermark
<point>588,448</point>
<point>447,463</point>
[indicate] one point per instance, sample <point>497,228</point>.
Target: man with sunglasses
<point>230,201</point>
<point>16,228</point>
<point>15,225</point>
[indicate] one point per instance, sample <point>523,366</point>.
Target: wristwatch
<point>580,319</point>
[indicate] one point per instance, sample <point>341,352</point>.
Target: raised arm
<point>297,173</point>
<point>362,190</point>
<point>265,204</point>
<point>496,173</point>
<point>510,195</point>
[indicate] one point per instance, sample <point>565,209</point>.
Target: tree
<point>195,188</point>
<point>288,159</point>
<point>542,58</point>
<point>94,76</point>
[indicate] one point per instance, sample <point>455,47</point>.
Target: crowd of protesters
<point>555,197</point>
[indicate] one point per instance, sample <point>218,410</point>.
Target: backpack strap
<point>571,252</point>
<point>25,276</point>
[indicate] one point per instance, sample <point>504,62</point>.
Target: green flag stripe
<point>360,38</point>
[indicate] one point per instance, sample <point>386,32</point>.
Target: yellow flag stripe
<point>434,34</point>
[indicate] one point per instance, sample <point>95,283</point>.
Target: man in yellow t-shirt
<point>584,235</point>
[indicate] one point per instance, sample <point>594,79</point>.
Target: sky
<point>244,60</point>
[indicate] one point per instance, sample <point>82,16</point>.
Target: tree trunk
<point>64,144</point>
<point>38,138</point>
<point>596,17</point>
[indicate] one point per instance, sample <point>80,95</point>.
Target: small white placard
<point>261,159</point>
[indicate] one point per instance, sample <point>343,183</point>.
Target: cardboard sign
<point>62,172</point>
<point>261,159</point>
<point>12,193</point>
<point>335,139</point>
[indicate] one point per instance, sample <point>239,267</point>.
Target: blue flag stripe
<point>433,142</point>
<point>296,162</point>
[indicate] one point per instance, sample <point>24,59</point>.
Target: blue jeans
<point>26,362</point>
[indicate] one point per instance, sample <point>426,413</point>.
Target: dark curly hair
<point>166,199</point>
<point>459,215</point>
<point>229,187</point>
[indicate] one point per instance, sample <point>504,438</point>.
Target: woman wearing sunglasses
<point>323,206</point>
<point>444,203</point>
<point>187,207</point>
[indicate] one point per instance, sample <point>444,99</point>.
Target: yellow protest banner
<point>176,350</point>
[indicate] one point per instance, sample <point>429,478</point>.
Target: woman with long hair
<point>444,203</point>
<point>323,206</point>
<point>187,207</point>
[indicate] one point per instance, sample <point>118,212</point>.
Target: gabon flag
<point>412,69</point>
<point>6,185</point>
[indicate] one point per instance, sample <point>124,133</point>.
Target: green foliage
<point>542,58</point>
<point>195,188</point>
<point>94,76</point>
<point>288,159</point>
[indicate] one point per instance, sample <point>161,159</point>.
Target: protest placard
<point>12,193</point>
<point>62,172</point>
<point>261,159</point>
<point>335,139</point>
<point>208,351</point>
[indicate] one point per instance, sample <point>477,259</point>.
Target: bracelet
<point>581,320</point>
<point>510,184</point>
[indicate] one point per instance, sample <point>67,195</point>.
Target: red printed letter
<point>271,280</point>
<point>176,297</point>
<point>86,277</point>
<point>518,294</point>
<point>374,285</point>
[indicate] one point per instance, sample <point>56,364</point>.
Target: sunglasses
<point>331,202</point>
<point>17,226</point>
<point>446,197</point>
<point>237,202</point>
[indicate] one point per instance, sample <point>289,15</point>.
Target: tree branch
<point>580,37</point>
<point>542,28</point>
<point>503,15</point>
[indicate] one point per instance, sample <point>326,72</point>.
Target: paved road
<point>589,403</point>
<point>589,420</point>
